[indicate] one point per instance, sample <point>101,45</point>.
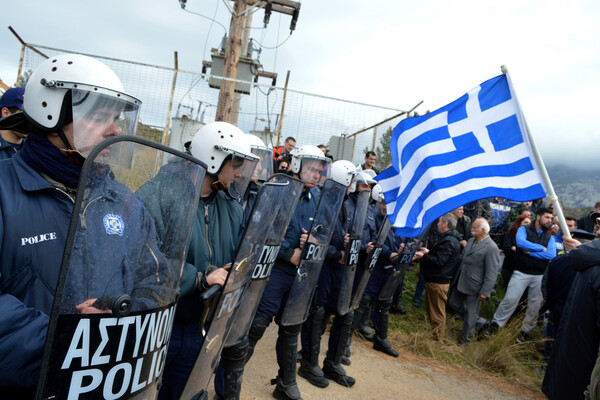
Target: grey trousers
<point>467,308</point>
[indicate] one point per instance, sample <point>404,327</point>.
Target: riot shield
<point>398,269</point>
<point>260,276</point>
<point>352,250</point>
<point>118,285</point>
<point>225,304</point>
<point>313,254</point>
<point>370,262</point>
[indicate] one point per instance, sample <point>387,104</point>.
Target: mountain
<point>574,187</point>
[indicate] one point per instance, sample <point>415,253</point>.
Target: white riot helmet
<point>264,168</point>
<point>215,144</point>
<point>342,171</point>
<point>377,193</point>
<point>81,89</point>
<point>303,164</point>
<point>362,177</point>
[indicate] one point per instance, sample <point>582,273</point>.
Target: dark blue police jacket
<point>34,221</point>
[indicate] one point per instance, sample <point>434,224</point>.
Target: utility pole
<point>234,46</point>
<point>238,96</point>
<point>232,58</point>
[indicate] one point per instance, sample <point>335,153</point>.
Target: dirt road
<point>382,377</point>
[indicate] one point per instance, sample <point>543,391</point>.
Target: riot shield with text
<point>118,285</point>
<point>258,281</point>
<point>370,262</point>
<point>352,251</point>
<point>225,304</point>
<point>398,269</point>
<point>313,253</point>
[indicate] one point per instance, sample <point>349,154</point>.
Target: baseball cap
<point>13,97</point>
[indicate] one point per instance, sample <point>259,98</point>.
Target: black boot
<point>286,388</point>
<point>360,314</point>
<point>332,367</point>
<point>381,342</point>
<point>256,332</point>
<point>233,360</point>
<point>309,365</point>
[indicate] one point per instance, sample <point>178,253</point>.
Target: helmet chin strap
<point>217,185</point>
<point>73,155</point>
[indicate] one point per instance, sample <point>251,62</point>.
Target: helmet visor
<point>264,167</point>
<point>236,173</point>
<point>314,170</point>
<point>99,114</point>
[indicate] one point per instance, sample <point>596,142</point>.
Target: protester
<point>535,248</point>
<point>478,272</point>
<point>575,350</point>
<point>370,159</point>
<point>439,267</point>
<point>509,247</point>
<point>585,222</point>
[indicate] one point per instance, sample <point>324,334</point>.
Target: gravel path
<point>380,376</point>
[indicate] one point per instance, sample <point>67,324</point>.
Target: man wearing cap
<point>588,223</point>
<point>11,103</point>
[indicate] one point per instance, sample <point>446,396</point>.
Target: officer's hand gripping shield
<point>271,201</point>
<point>370,262</point>
<point>313,254</point>
<point>119,280</point>
<point>266,259</point>
<point>398,269</point>
<point>352,251</point>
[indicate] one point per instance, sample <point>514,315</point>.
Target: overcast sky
<point>392,53</point>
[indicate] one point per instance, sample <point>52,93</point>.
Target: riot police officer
<point>310,165</point>
<point>217,231</point>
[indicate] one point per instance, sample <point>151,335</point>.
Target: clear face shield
<point>99,114</point>
<point>313,171</point>
<point>236,172</point>
<point>264,167</point>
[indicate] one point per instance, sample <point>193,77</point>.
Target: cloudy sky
<point>392,53</point>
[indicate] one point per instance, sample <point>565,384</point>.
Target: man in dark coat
<point>439,266</point>
<point>576,347</point>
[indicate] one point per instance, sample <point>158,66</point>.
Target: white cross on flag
<point>472,148</point>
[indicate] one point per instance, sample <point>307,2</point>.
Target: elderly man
<point>479,269</point>
<point>439,267</point>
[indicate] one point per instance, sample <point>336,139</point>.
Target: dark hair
<point>570,218</point>
<point>290,138</point>
<point>542,211</point>
<point>369,154</point>
<point>516,225</point>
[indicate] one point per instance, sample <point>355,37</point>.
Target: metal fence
<point>176,102</point>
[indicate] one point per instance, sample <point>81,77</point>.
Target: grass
<point>500,355</point>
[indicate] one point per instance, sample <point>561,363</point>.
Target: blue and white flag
<point>472,148</point>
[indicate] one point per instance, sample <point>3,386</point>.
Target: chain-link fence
<point>176,103</point>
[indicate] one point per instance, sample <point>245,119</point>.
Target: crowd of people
<point>337,231</point>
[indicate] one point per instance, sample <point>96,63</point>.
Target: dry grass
<point>499,355</point>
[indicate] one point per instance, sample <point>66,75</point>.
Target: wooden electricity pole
<point>234,46</point>
<point>232,58</point>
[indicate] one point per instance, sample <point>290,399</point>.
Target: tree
<point>384,155</point>
<point>24,78</point>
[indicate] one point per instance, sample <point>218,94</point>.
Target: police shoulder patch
<point>114,224</point>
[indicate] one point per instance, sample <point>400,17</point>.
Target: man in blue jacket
<point>71,104</point>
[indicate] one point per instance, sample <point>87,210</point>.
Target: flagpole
<point>538,158</point>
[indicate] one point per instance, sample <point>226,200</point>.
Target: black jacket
<point>440,264</point>
<point>576,347</point>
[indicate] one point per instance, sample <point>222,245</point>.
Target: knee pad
<point>238,351</point>
<point>289,331</point>
<point>365,301</point>
<point>257,329</point>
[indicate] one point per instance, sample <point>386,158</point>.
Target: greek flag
<point>472,148</point>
